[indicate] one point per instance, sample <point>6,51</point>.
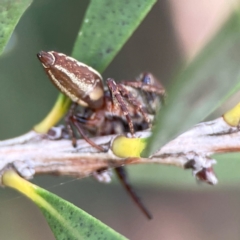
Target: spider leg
<point>132,99</point>
<point>69,123</point>
<point>93,121</point>
<point>147,83</point>
<point>122,175</point>
<point>71,120</point>
<point>78,126</point>
<point>113,87</point>
<point>145,87</point>
<point>149,87</point>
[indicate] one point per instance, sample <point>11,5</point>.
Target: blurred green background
<point>182,208</point>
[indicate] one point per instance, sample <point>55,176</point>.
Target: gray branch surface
<point>34,153</point>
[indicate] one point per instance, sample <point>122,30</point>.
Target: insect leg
<point>133,101</point>
<point>147,83</point>
<point>144,87</point>
<point>88,140</point>
<point>113,87</point>
<point>95,119</point>
<point>122,175</point>
<point>69,123</point>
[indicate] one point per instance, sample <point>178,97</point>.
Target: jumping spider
<point>116,108</point>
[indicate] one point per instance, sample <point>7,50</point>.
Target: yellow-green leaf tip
<point>12,179</point>
<point>232,117</point>
<point>128,147</point>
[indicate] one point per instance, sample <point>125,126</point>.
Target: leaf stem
<point>59,109</point>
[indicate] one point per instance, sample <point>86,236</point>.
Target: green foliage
<point>107,25</point>
<point>66,220</point>
<point>69,222</point>
<point>10,13</point>
<point>202,86</point>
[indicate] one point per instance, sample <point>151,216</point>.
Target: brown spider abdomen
<point>78,81</point>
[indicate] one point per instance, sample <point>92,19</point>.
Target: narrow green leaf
<point>202,86</point>
<point>107,25</point>
<point>69,222</point>
<point>10,13</point>
<point>66,220</point>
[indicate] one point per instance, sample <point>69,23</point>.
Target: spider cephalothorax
<point>120,107</point>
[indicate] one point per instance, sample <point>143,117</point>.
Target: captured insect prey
<point>126,106</point>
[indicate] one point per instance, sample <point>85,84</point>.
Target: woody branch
<point>35,153</point>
